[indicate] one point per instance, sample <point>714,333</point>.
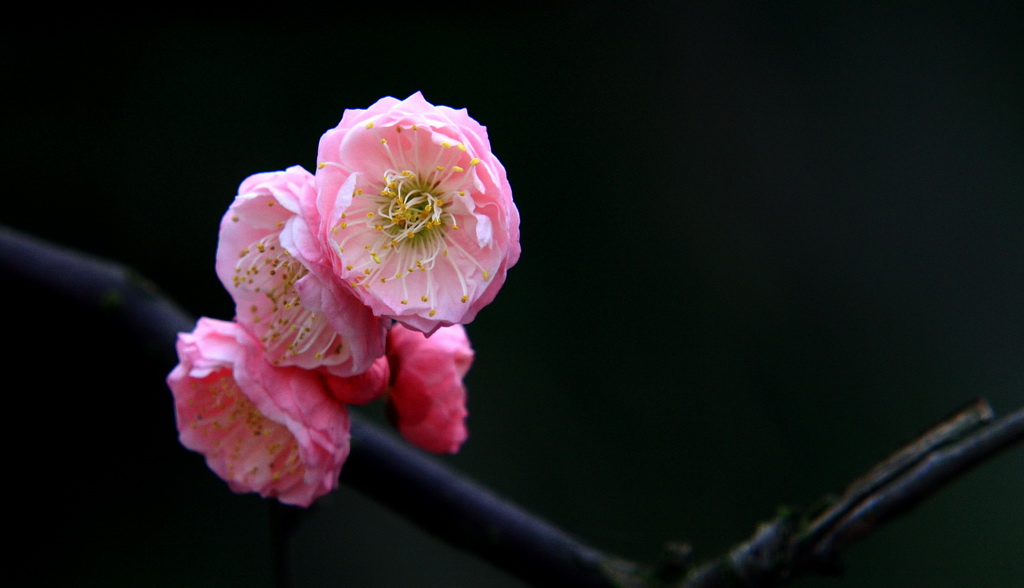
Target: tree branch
<point>787,547</point>
<point>471,517</point>
<point>474,519</point>
<point>388,470</point>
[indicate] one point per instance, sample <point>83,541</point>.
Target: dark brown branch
<point>472,518</point>
<point>95,283</point>
<point>386,469</point>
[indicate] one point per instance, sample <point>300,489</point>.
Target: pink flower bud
<point>428,398</point>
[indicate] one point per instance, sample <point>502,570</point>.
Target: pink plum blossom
<point>413,212</point>
<point>272,430</point>
<point>300,320</point>
<point>428,398</point>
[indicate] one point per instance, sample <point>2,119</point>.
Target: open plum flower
<point>277,431</point>
<point>299,319</point>
<point>349,285</point>
<point>413,213</point>
<point>427,402</point>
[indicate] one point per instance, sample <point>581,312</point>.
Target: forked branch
<point>792,546</point>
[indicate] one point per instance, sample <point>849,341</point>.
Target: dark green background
<point>762,246</point>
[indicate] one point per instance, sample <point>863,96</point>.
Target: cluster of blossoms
<point>350,284</point>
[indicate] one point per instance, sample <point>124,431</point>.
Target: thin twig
<point>785,548</point>
<point>954,428</point>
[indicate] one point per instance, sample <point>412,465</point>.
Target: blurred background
<point>763,245</point>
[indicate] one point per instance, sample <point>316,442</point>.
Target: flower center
<point>401,233</point>
<point>291,333</point>
<point>408,207</point>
